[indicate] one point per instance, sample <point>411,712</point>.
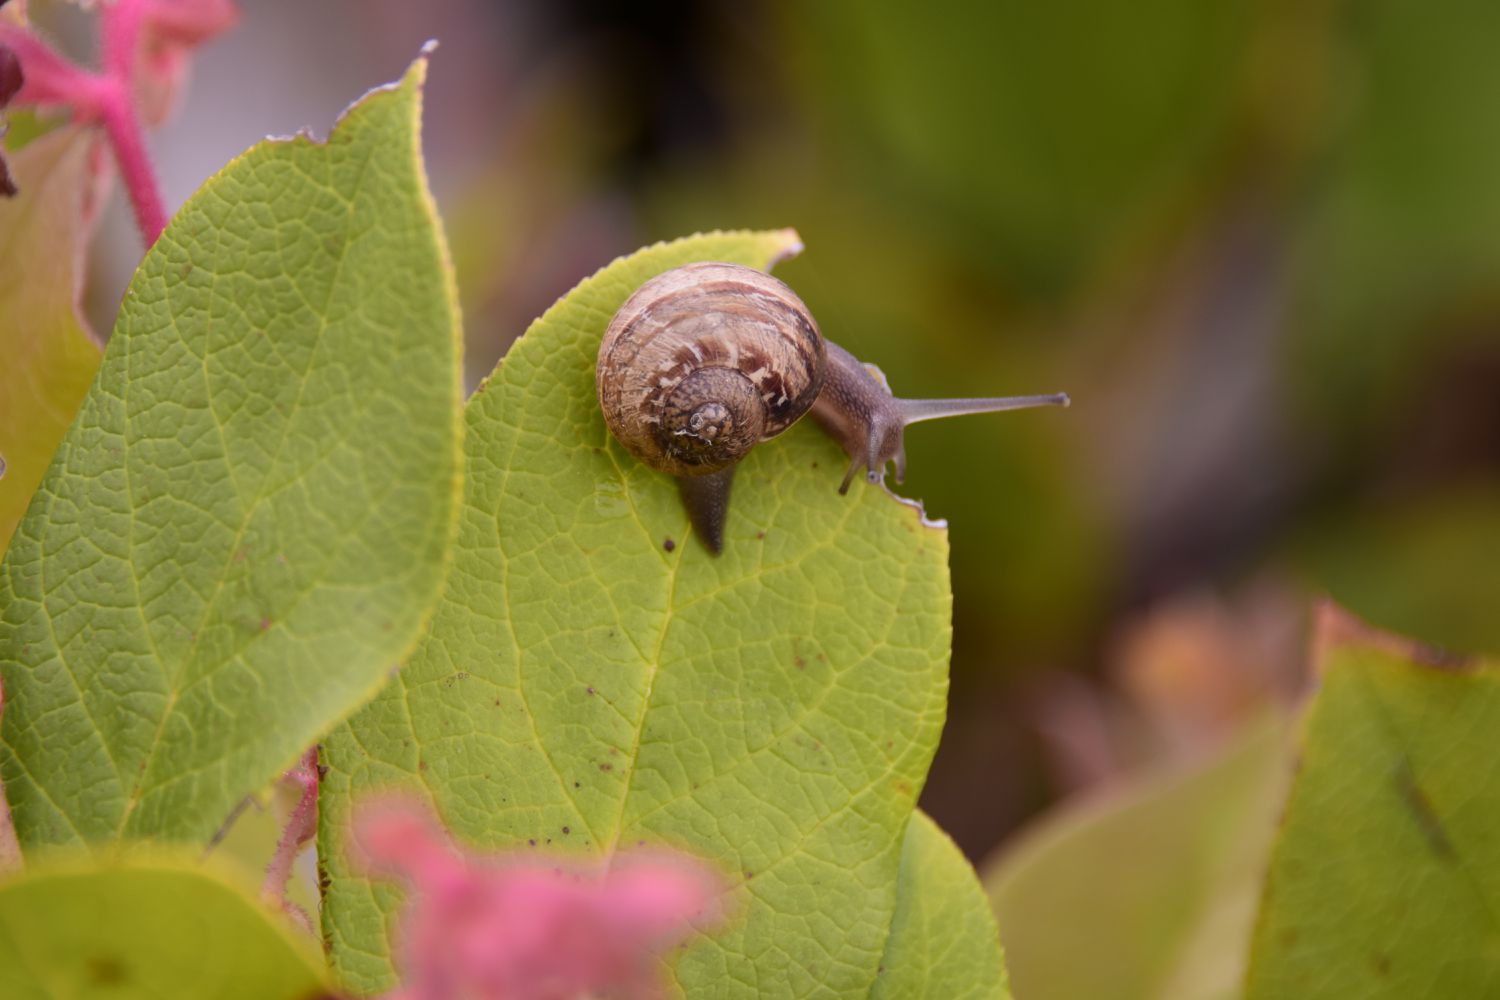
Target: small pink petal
<point>169,32</point>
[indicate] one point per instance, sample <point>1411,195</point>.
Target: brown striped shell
<point>703,362</point>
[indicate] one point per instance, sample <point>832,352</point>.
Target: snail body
<point>858,410</point>
<point>707,360</point>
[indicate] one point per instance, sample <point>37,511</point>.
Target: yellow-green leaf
<point>594,677</point>
<point>1385,880</point>
<point>146,930</point>
<point>47,359</point>
<point>246,528</point>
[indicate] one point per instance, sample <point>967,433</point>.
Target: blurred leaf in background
<point>1150,890</point>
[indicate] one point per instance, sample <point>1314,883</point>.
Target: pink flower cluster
<point>145,45</point>
<point>522,927</point>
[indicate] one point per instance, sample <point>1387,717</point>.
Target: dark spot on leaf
<point>106,970</point>
<point>532,841</point>
<point>760,535</point>
<point>669,545</point>
<point>567,830</point>
<point>577,784</point>
<point>1422,811</point>
<point>801,663</point>
<point>749,875</point>
<point>497,702</point>
<point>606,767</point>
<point>815,465</point>
<point>1381,964</point>
<point>421,765</point>
<point>591,689</point>
<point>265,624</point>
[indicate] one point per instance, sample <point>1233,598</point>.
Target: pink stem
<point>120,42</point>
<point>120,37</point>
<point>300,828</point>
<point>123,127</point>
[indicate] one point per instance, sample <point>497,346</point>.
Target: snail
<point>705,361</point>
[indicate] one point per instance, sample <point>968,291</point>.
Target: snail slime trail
<point>707,360</point>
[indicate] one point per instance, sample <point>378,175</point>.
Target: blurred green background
<point>1258,242</point>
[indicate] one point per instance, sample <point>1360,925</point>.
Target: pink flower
<point>144,47</point>
<point>524,927</point>
<point>50,81</point>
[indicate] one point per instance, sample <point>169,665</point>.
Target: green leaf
<point>148,929</point>
<point>1385,881</point>
<point>587,685</point>
<point>1151,891</point>
<point>247,526</point>
<point>943,941</point>
<point>47,359</point>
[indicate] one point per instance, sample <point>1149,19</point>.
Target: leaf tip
<point>791,246</point>
<point>1335,627</point>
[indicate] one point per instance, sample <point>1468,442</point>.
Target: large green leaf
<point>943,943</point>
<point>1385,880</point>
<point>594,677</point>
<point>46,358</point>
<point>153,930</point>
<point>1149,893</point>
<point>248,524</point>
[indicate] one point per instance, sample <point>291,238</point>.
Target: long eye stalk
<point>916,410</point>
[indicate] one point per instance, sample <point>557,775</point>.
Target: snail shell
<point>703,362</point>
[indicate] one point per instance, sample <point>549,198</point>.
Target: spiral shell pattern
<point>703,362</point>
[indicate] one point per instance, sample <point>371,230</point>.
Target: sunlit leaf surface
<point>248,524</point>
